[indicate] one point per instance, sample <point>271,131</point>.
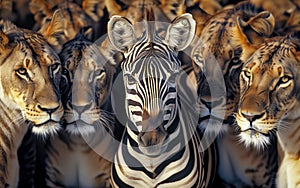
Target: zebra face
<point>151,97</point>
<point>149,71</point>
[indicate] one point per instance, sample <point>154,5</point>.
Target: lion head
<point>269,84</point>
<point>30,76</point>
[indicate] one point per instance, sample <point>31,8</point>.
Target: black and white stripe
<point>160,147</point>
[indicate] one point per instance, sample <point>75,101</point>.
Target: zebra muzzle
<point>153,137</point>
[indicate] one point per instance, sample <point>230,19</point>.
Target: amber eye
<point>22,71</point>
<point>285,79</point>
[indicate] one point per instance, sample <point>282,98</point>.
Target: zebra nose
<point>153,137</point>
<point>251,116</point>
<point>155,117</point>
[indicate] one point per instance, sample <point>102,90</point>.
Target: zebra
<point>160,146</point>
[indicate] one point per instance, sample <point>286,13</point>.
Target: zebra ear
<point>181,32</point>
<point>121,33</point>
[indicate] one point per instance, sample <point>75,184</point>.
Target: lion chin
<point>253,138</point>
<point>80,128</point>
<point>45,129</point>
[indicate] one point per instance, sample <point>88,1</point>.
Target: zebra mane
<point>150,25</point>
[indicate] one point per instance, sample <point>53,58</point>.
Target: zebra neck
<point>12,130</point>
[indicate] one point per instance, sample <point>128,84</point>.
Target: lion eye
<point>65,71</point>
<point>285,79</point>
<point>22,71</point>
<point>99,72</point>
<point>55,66</point>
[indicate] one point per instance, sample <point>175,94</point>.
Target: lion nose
<point>48,110</point>
<point>252,116</point>
<point>81,108</point>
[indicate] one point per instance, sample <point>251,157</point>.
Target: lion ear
<point>121,33</point>
<point>94,8</point>
<point>254,32</point>
<point>295,39</point>
<point>40,9</point>
<point>3,39</point>
<point>54,32</point>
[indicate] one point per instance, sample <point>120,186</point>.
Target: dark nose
<point>252,116</point>
<point>48,110</point>
<point>81,108</point>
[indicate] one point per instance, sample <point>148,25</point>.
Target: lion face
<point>217,62</point>
<point>29,80</point>
<point>86,85</point>
<point>269,92</point>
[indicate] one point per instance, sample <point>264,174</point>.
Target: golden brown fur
<point>28,65</point>
<point>135,10</point>
<point>286,14</point>
<point>74,16</point>
<point>87,142</point>
<point>269,101</point>
<point>217,67</point>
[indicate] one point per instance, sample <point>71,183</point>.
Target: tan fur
<point>217,66</point>
<point>270,98</point>
<point>278,8</point>
<point>164,10</point>
<point>86,143</point>
<point>75,16</point>
<point>80,164</point>
<point>28,65</point>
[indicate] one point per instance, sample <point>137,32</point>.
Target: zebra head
<point>149,70</point>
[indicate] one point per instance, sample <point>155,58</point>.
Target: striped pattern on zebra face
<point>151,93</point>
<point>149,71</point>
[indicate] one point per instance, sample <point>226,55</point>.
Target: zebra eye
<point>131,79</point>
<point>235,60</point>
<point>173,78</point>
